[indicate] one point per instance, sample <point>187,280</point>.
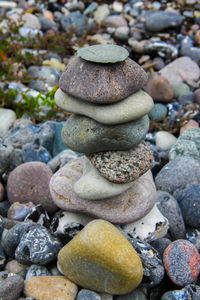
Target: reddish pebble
<point>190,124</point>
<point>48,14</point>
<point>29,182</point>
<point>159,89</point>
<point>182,262</point>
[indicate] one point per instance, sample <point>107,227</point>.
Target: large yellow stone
<point>50,288</point>
<point>100,258</point>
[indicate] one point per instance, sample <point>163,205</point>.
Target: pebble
<point>153,270</point>
<point>1,192</point>
<point>85,135</point>
<point>87,294</point>
<point>93,186</point>
<point>50,287</point>
<point>36,270</point>
<point>158,112</point>
<point>187,49</point>
<point>31,152</point>
<point>182,69</point>
<point>7,118</point>
<point>11,287</point>
<point>187,145</point>
<point>13,266</point>
<point>18,211</point>
<point>104,83</point>
<point>177,174</point>
<point>61,159</point>
<point>181,261</point>
<point>126,208</point>
<point>180,89</point>
<point>101,13</point>
<point>26,32</point>
<point>29,182</point>
<point>131,108</point>
<point>54,63</point>
<point>160,20</point>
<point>2,258</point>
<point>169,207</point>
<point>115,21</point>
<point>193,236</point>
<point>47,23</point>
<point>37,246</point>
<point>159,89</point>
<point>189,202</point>
<point>165,140</point>
<point>74,19</point>
<point>31,20</point>
<point>103,53</point>
<point>135,295</point>
<point>197,96</point>
<point>6,154</point>
<point>149,228</point>
<point>101,236</point>
<point>162,49</point>
<point>58,145</point>
<point>90,9</point>
<point>189,124</point>
<point>123,166</point>
<point>160,245</point>
<point>49,75</point>
<point>190,291</point>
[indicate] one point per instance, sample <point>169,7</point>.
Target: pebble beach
<point>100,150</point>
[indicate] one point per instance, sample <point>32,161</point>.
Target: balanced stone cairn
<point>101,86</point>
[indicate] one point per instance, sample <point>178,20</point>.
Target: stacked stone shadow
<point>102,88</point>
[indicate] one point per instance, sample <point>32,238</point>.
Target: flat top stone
<point>129,206</point>
<point>123,166</point>
<point>103,53</point>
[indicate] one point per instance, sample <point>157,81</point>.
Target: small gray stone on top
<point>103,53</point>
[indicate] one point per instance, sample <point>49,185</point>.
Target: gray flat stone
<point>103,53</point>
<point>85,135</point>
<point>129,109</point>
<point>131,205</point>
<point>102,83</point>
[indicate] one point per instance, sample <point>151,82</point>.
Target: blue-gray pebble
<point>189,292</point>
<point>85,135</point>
<point>87,295</point>
<point>36,270</point>
<point>158,112</point>
<point>160,20</point>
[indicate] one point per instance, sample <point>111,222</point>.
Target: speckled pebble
<point>11,287</point>
<point>181,260</point>
<point>88,295</point>
<point>158,112</point>
<point>36,270</point>
<point>18,211</point>
<point>189,292</point>
<point>123,166</point>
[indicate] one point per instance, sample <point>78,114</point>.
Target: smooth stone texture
<point>123,166</point>
<point>11,287</point>
<point>115,21</point>
<point>31,20</point>
<point>61,159</point>
<point>58,145</point>
<point>101,13</point>
<point>158,88</point>
<point>180,70</point>
<point>165,140</point>
<point>189,124</point>
<point>7,118</point>
<point>188,144</point>
<point>36,270</point>
<point>152,264</point>
<point>149,228</point>
<point>85,135</point>
<point>177,174</point>
<point>50,287</point>
<point>181,260</point>
<point>180,89</point>
<point>189,202</point>
<point>131,108</point>
<point>18,211</point>
<point>74,20</point>
<point>37,246</point>
<point>189,292</point>
<point>103,53</point>
<point>135,295</point>
<point>29,182</point>
<point>122,209</point>
<point>169,207</point>
<point>88,295</point>
<point>100,258</point>
<point>13,266</point>
<point>93,186</point>
<point>160,20</point>
<point>158,112</point>
<point>100,83</point>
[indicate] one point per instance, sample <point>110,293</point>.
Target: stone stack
<point>101,86</point>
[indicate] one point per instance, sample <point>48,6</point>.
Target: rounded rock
<point>101,259</point>
<point>29,182</point>
<point>7,118</point>
<point>85,135</point>
<point>103,53</point>
<point>158,112</point>
<point>122,209</point>
<point>11,287</point>
<point>18,211</point>
<point>181,260</point>
<point>123,166</point>
<point>165,140</point>
<point>189,292</point>
<point>36,270</point>
<point>159,88</point>
<point>100,83</point>
<point>50,287</point>
<point>87,294</point>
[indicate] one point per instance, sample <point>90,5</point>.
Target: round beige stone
<point>100,258</point>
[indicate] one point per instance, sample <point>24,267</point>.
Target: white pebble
<point>8,4</point>
<point>117,6</point>
<point>165,140</point>
<point>7,118</point>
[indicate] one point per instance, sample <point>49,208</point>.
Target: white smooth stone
<point>165,140</point>
<point>7,118</point>
<point>126,110</point>
<point>93,186</point>
<point>151,227</point>
<point>8,4</point>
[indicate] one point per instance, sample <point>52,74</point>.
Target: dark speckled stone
<point>11,287</point>
<point>100,83</point>
<point>123,166</point>
<point>85,135</point>
<point>189,292</point>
